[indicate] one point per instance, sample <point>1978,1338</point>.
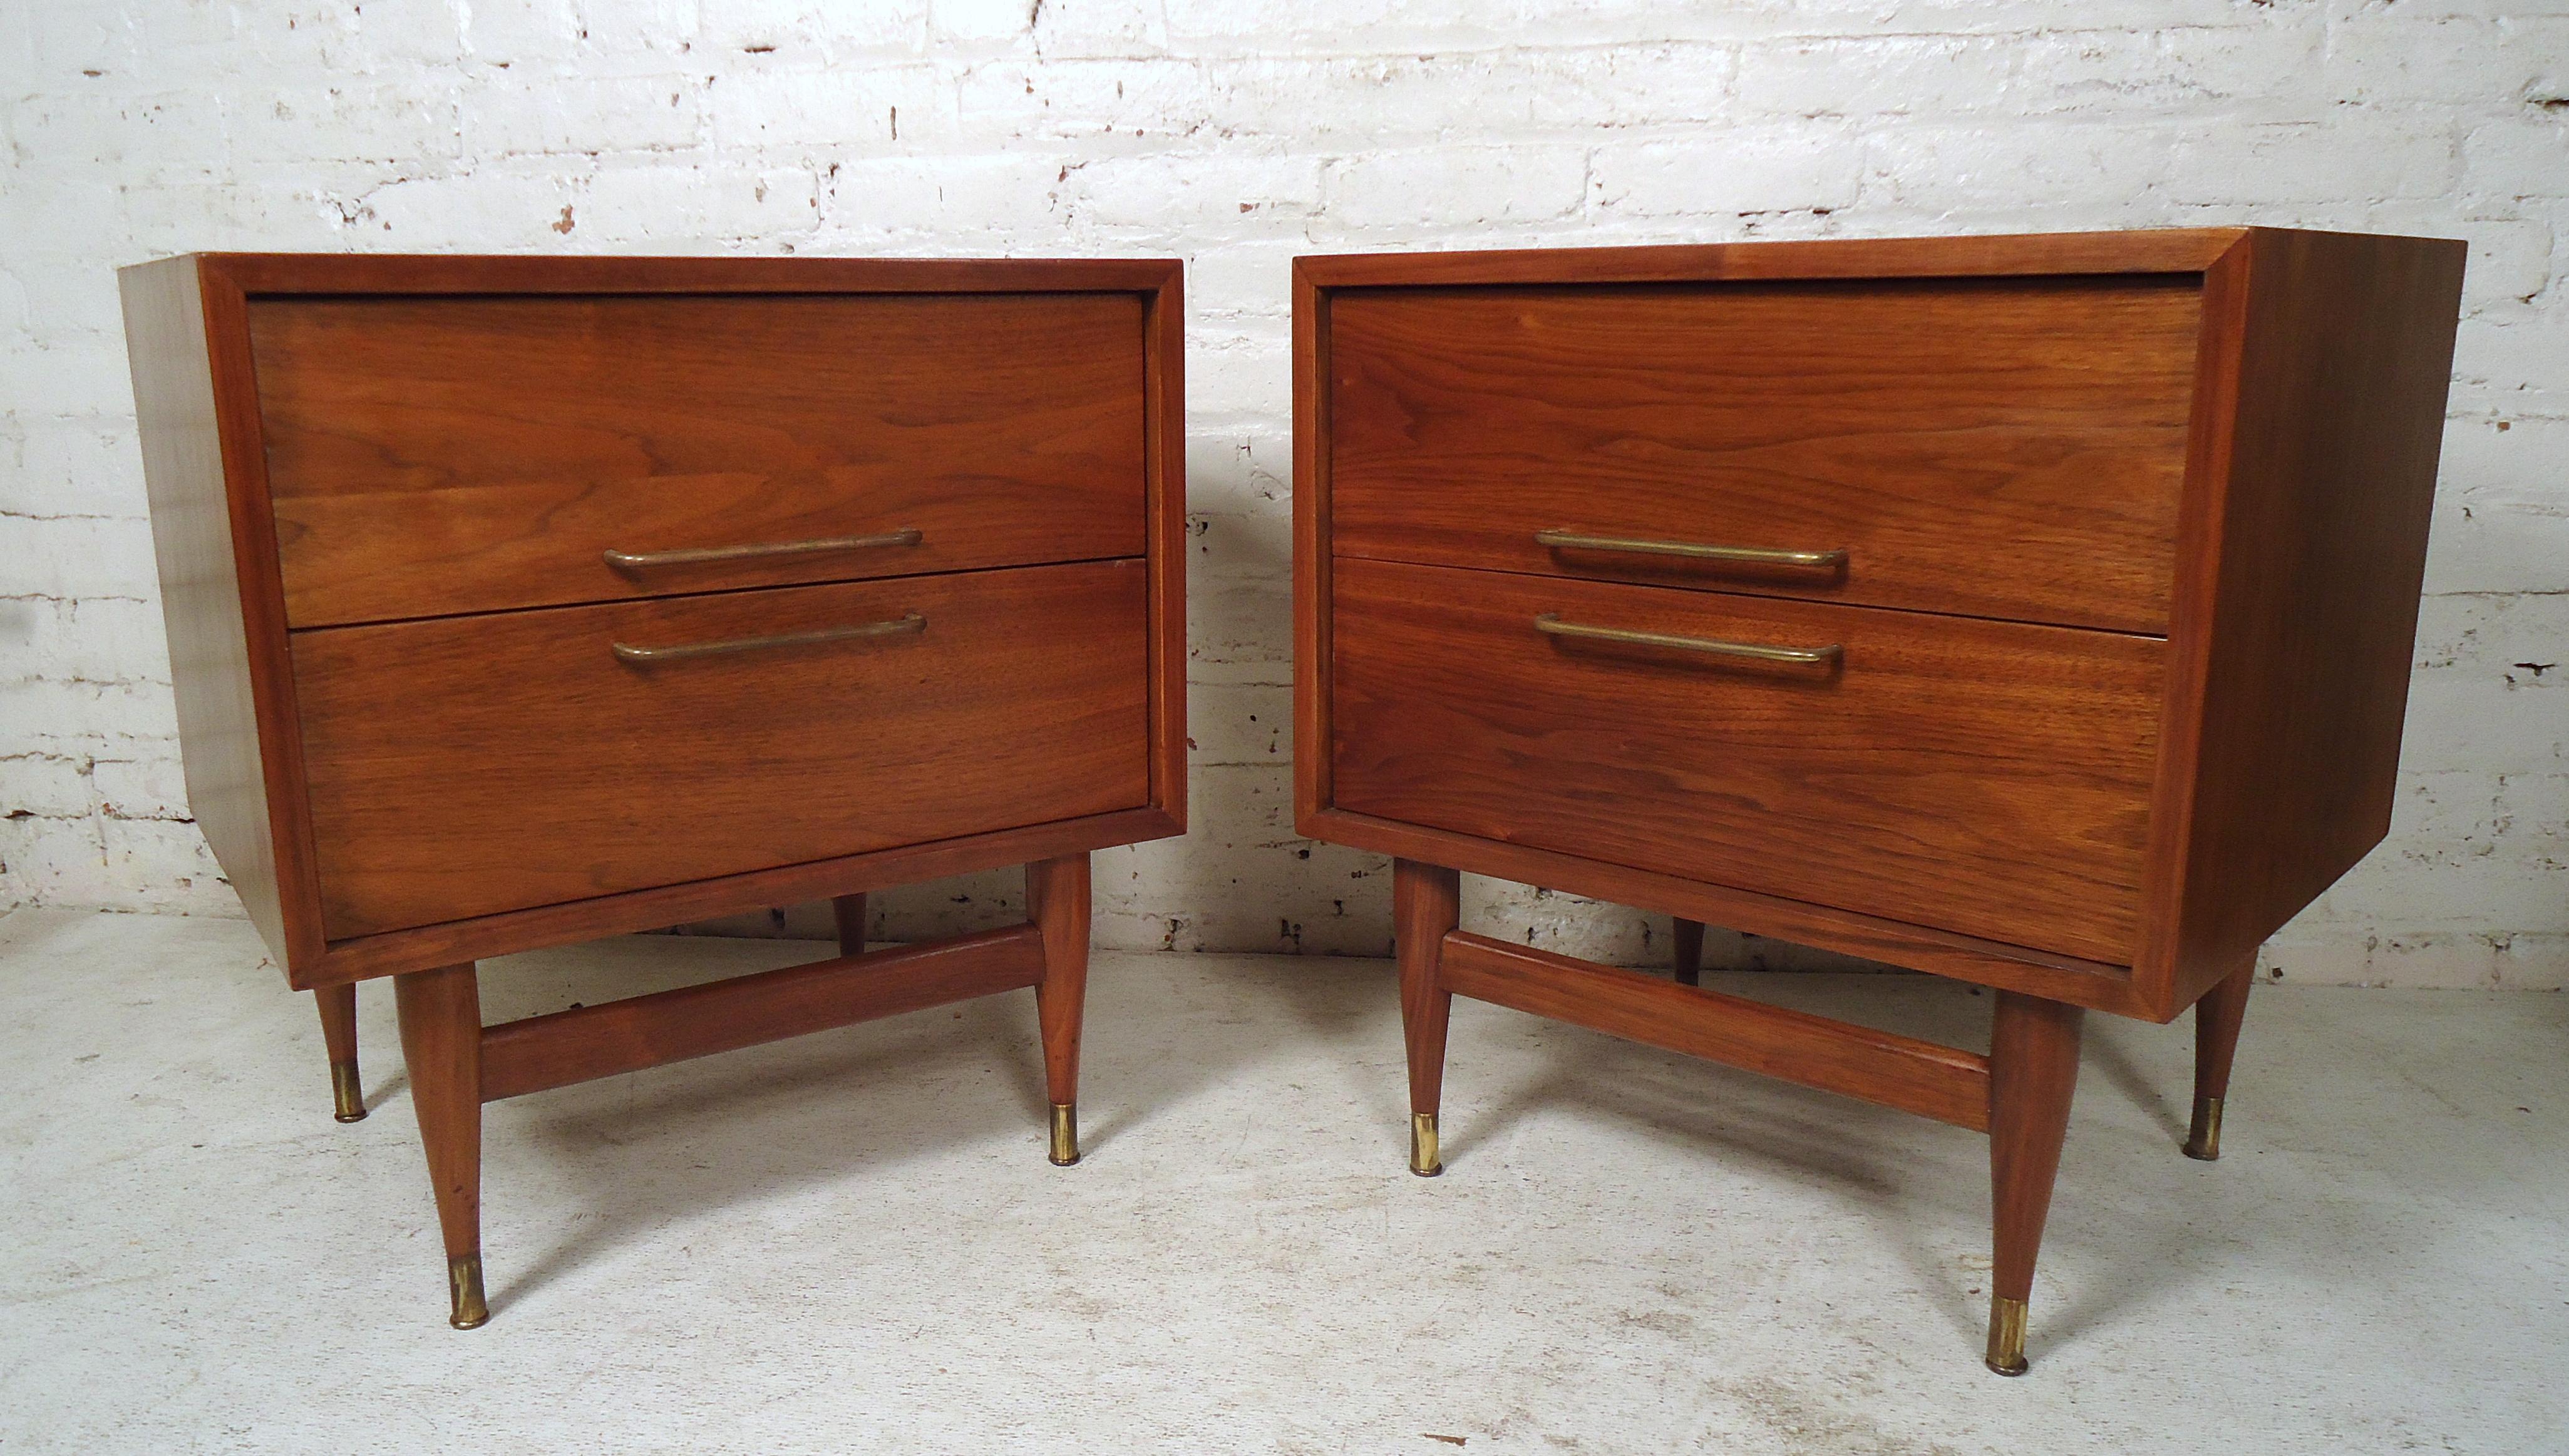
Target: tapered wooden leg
<point>1689,956</point>
<point>339,1033</point>
<point>851,913</point>
<point>441,1033</point>
<point>2216,1042</point>
<point>2034,1070</point>
<point>1426,901</point>
<point>1057,904</point>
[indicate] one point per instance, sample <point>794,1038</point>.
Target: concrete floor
<point>852,1242</point>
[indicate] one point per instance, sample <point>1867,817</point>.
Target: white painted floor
<point>852,1242</point>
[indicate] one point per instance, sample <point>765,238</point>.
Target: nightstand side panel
<point>206,542</point>
<point>2312,596</point>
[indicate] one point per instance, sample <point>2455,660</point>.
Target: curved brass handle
<point>1548,622</point>
<point>1760,556</point>
<point>644,561</point>
<point>898,626</point>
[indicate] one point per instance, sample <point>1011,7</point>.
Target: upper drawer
<point>436,456</point>
<point>2009,449</point>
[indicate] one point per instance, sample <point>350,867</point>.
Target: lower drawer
<point>1981,777</point>
<point>463,766</point>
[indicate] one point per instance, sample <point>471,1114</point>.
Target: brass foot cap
<point>464,1283</point>
<point>2203,1142</point>
<point>1065,1134</point>
<point>347,1095</point>
<point>1423,1145</point>
<point>2006,1336</point>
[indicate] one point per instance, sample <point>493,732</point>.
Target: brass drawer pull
<point>898,626</point>
<point>644,561</point>
<point>1548,622</point>
<point>1760,556</point>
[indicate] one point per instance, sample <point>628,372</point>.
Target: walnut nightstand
<point>519,600</point>
<point>2030,611</point>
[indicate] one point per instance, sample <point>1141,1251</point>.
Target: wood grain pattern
<point>1057,904</point>
<point>583,1043</point>
<point>2081,814</point>
<point>2030,254</point>
<point>197,389</point>
<point>2034,1073</point>
<point>1964,957</point>
<point>2307,535</point>
<point>2007,449</point>
<point>1426,902</point>
<point>525,765</point>
<point>1941,1082</point>
<point>434,456</point>
<point>448,446</point>
<point>2318,381</point>
<point>210,555</point>
<point>395,951</point>
<point>1985,778</point>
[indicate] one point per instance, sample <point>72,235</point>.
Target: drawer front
<point>1985,778</point>
<point>2006,449</point>
<point>435,456</point>
<point>461,767</point>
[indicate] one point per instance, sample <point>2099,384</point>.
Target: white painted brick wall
<point>1238,134</point>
